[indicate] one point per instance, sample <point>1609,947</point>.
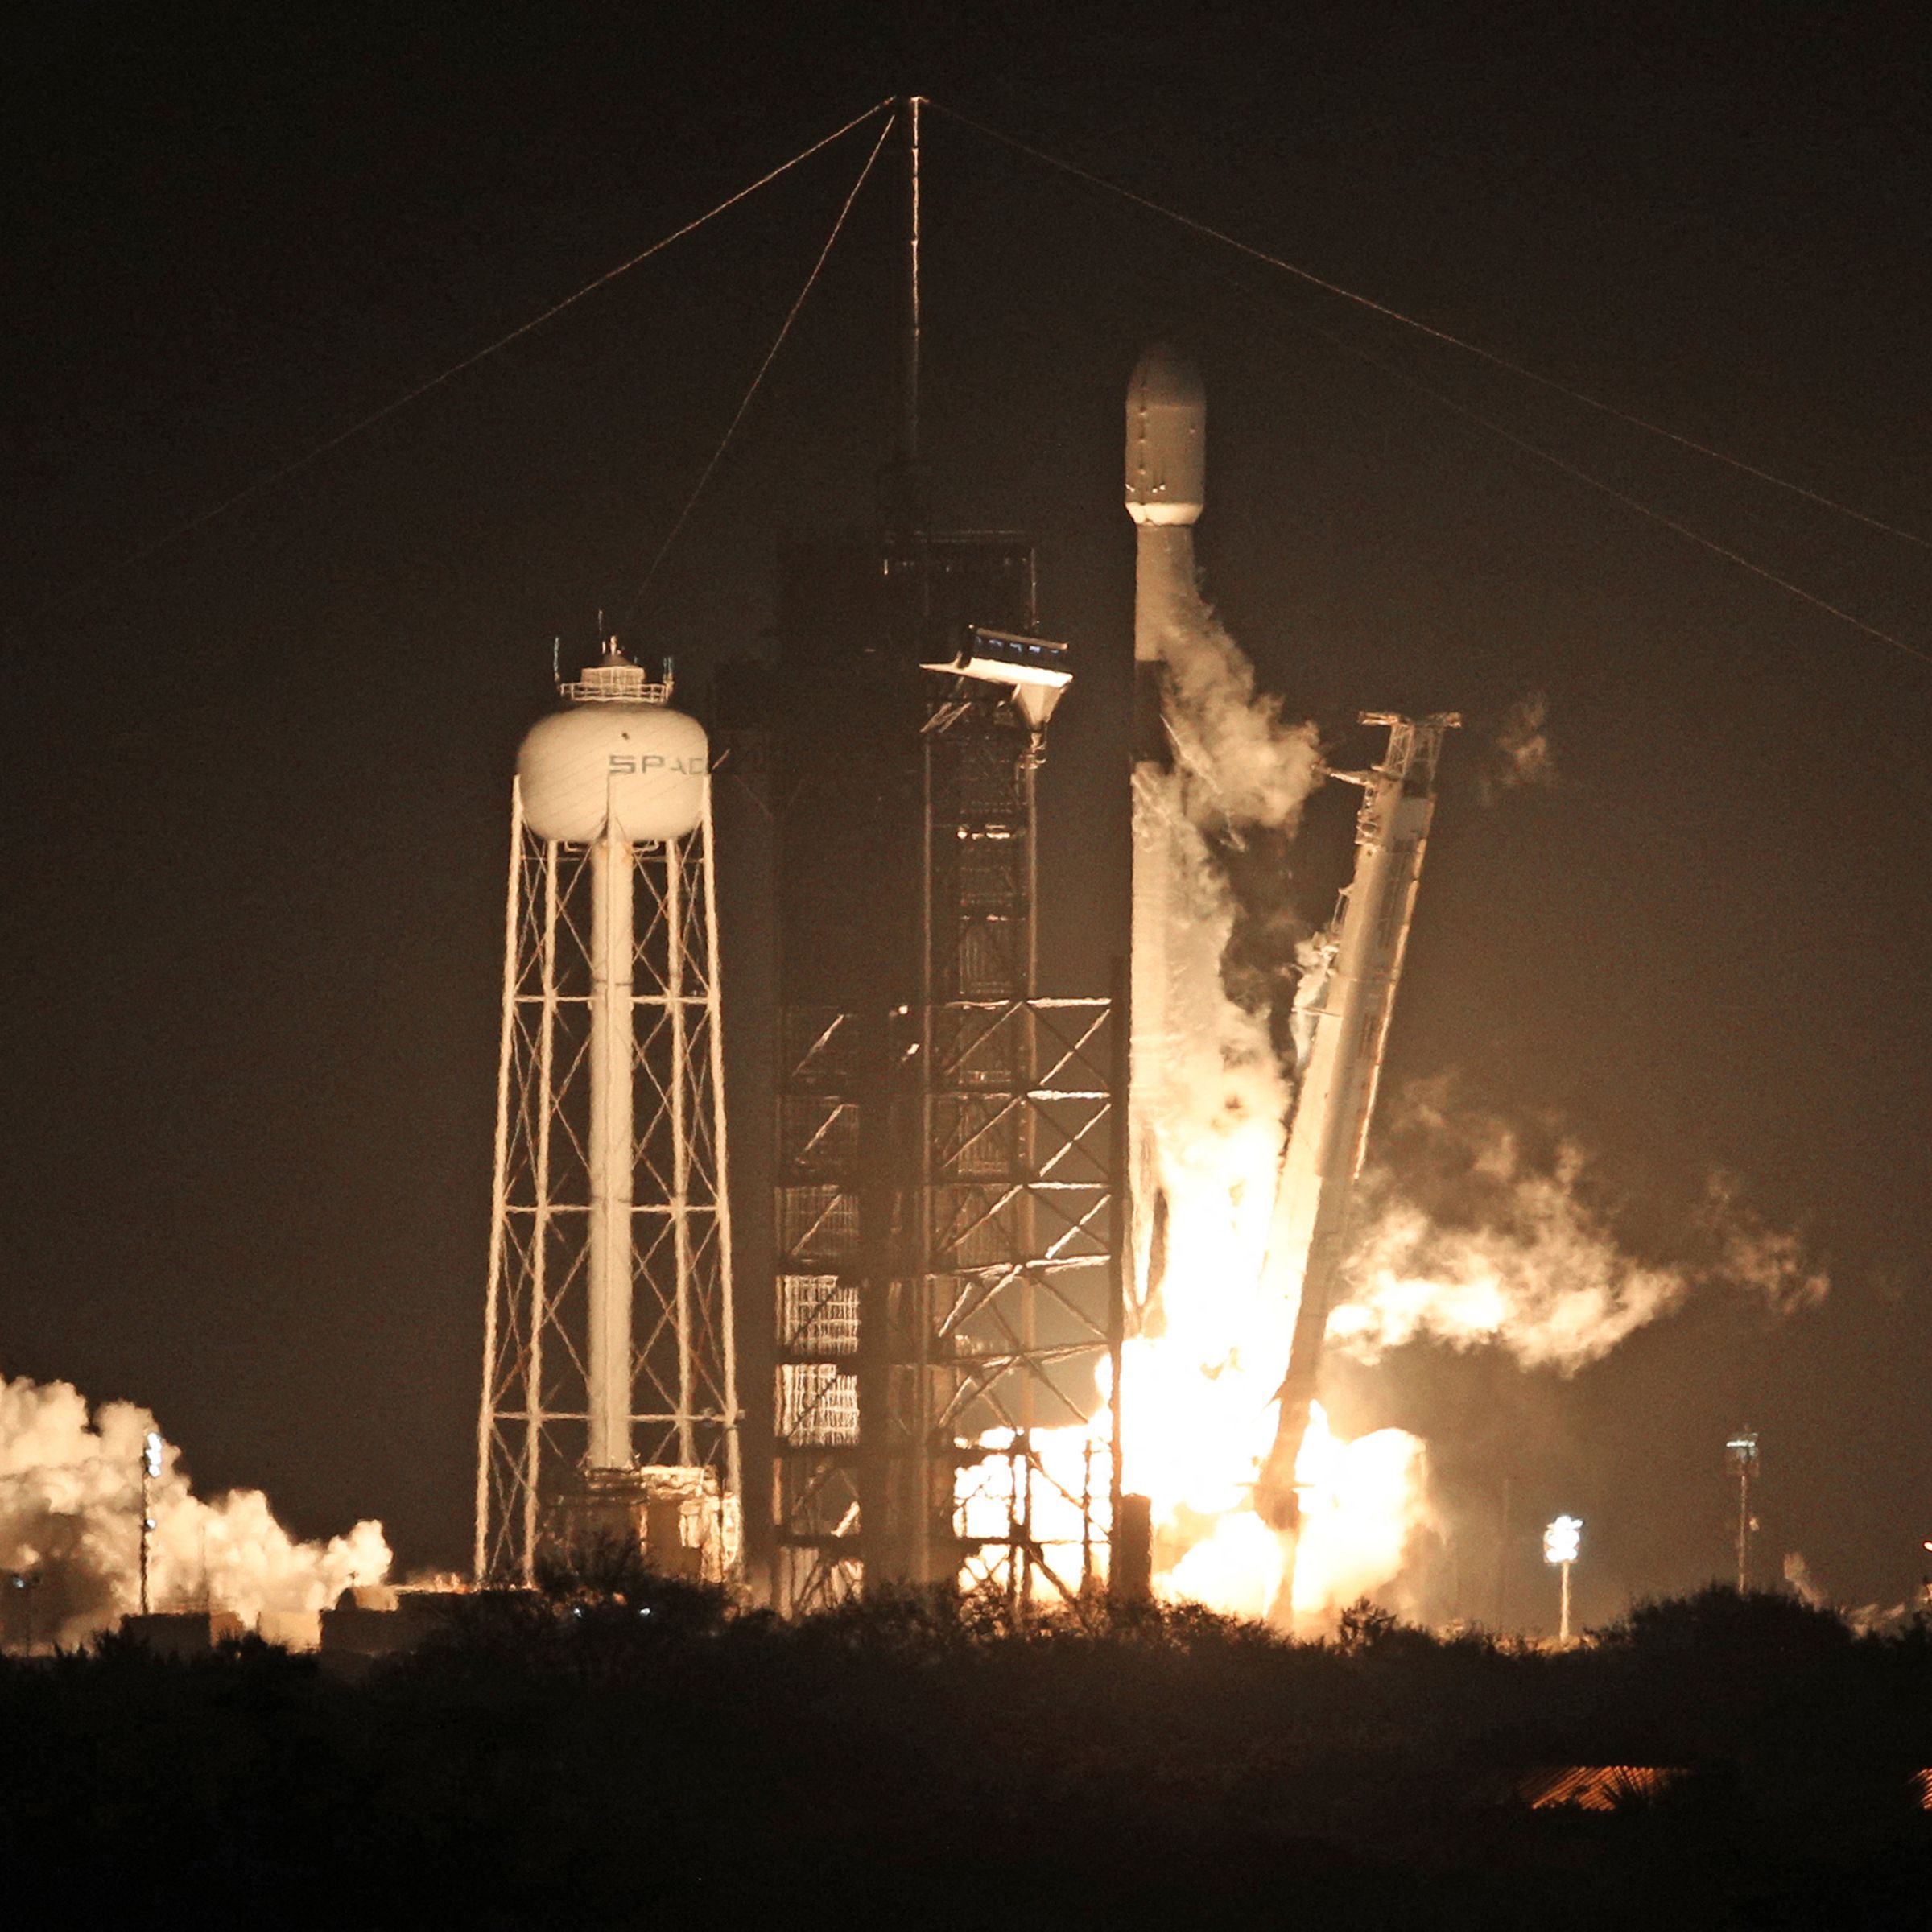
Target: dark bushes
<point>620,1745</point>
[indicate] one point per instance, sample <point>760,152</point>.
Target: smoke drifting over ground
<point>70,1510</point>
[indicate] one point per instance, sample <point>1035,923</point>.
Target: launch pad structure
<point>941,1173</point>
<point>1345,1002</point>
<point>955,1199</point>
<point>946,1165</point>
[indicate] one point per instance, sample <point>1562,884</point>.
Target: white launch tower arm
<point>1330,1130</point>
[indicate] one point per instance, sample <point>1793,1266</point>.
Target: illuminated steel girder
<point>946,1283</point>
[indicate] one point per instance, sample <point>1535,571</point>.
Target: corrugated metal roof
<point>1595,1787</point>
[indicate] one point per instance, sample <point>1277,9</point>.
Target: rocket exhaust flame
<point>1210,1093</point>
<point>1248,1119</point>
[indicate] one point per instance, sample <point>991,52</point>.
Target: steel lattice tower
<point>609,1404</point>
<point>945,1260</point>
<point>946,1274</point>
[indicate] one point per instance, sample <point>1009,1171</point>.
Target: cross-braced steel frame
<point>948,1288</point>
<point>1020,1282</point>
<point>533,1425</point>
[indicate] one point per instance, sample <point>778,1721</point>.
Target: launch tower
<point>1346,1000</point>
<point>944,1164</point>
<point>945,1181</point>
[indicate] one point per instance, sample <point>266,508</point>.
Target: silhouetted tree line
<point>618,1746</point>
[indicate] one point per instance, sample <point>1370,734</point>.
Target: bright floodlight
<point>1563,1539</point>
<point>150,1455</point>
<point>1034,669</point>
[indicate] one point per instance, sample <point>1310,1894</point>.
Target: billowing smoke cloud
<point>1769,1260</point>
<point>1222,1094</point>
<point>1238,764</point>
<point>70,1508</point>
<point>1521,753</point>
<point>1240,772</point>
<point>1797,1575</point>
<point>1862,1619</point>
<point>1471,1234</point>
<point>1200,1378</point>
<point>1474,1239</point>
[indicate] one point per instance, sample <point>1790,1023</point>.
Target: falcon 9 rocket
<point>1166,447</point>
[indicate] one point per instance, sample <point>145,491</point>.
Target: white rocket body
<point>1167,450</point>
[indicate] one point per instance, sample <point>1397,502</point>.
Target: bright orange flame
<point>1361,1500</point>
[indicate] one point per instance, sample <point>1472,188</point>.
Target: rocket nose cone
<point>1166,439</point>
<point>1164,378</point>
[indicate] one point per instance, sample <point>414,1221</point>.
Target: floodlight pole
<point>1742,1451</point>
<point>1561,1542</point>
<point>1744,1523</point>
<point>147,1523</point>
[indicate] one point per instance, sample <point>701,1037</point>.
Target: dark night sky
<point>255,781</point>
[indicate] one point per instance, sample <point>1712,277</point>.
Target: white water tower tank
<point>639,765</point>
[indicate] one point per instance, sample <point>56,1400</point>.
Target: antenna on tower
<point>910,342</point>
<point>903,502</point>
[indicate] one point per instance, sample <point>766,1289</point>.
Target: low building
<point>183,1633</point>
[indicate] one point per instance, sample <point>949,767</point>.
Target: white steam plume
<point>1521,754</point>
<point>1771,1262</point>
<point>1200,1379</point>
<point>1505,1248</point>
<point>1484,1243</point>
<point>70,1510</point>
<point>1223,1093</point>
<point>1238,764</point>
<point>1804,1585</point>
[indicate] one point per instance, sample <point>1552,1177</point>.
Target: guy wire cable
<point>1581,475</point>
<point>770,355</point>
<point>1439,335</point>
<point>523,328</point>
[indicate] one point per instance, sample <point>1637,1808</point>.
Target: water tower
<point>609,1409</point>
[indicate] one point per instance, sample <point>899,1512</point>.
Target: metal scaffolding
<point>577,1006</point>
<point>947,1293</point>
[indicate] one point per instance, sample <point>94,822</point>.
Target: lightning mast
<point>944,1170</point>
